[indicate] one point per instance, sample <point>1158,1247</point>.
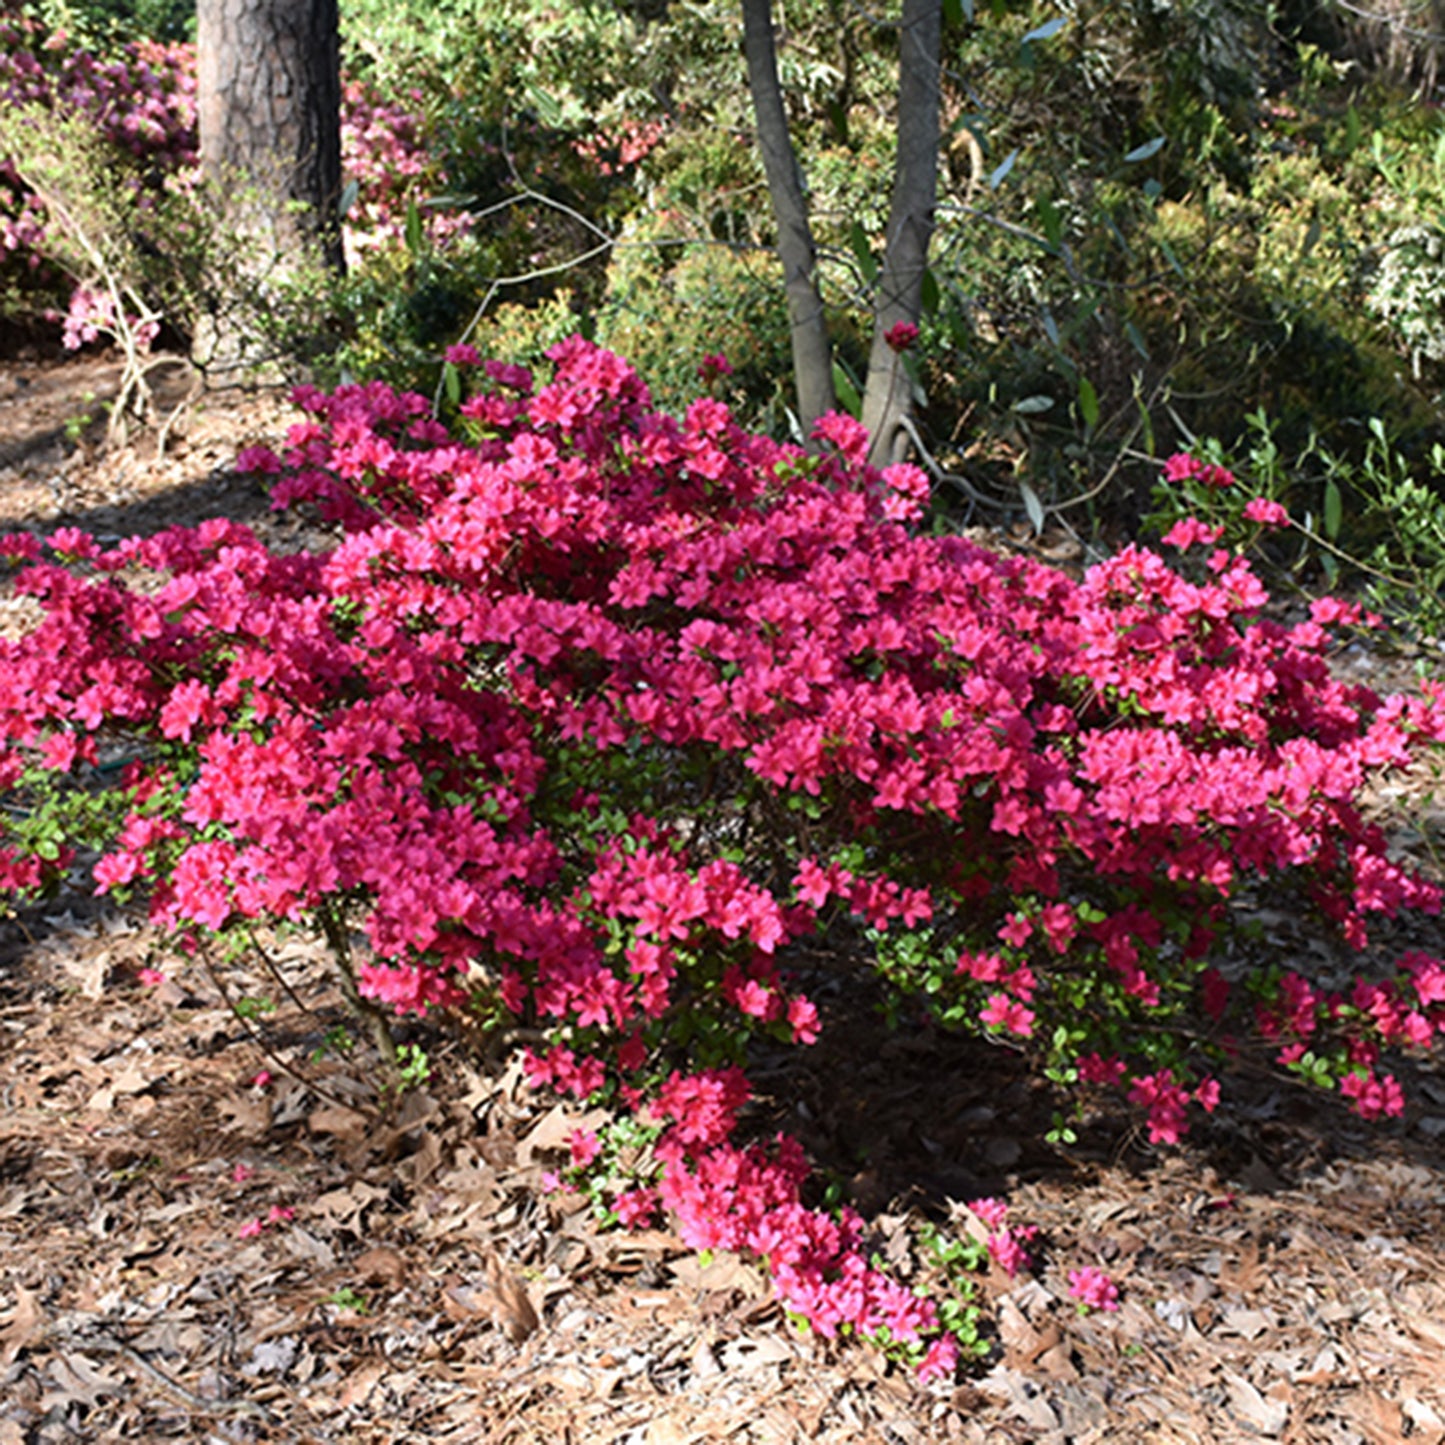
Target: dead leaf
<point>90,973</point>
<point>1242,1274</point>
<point>514,1312</point>
<point>425,1162</point>
<point>1022,1341</point>
<point>1431,1331</point>
<point>1246,1322</point>
<point>724,1271</point>
<point>74,1377</point>
<point>1267,1416</point>
<point>346,1124</point>
<point>343,1208</point>
<point>360,1383</point>
<point>246,1114</point>
<point>554,1129</point>
<point>381,1266</point>
<point>25,1325</point>
<point>665,1430</point>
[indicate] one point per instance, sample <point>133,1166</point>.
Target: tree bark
<point>268,103</point>
<point>888,397</point>
<point>812,353</point>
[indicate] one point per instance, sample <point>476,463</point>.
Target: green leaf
<point>1146,421</point>
<point>1149,148</point>
<point>1334,510</point>
<point>452,382</point>
<point>413,228</point>
<point>1033,506</point>
<point>863,252</point>
<point>1312,238</point>
<point>1047,30</point>
<point>931,295</point>
<point>1088,403</point>
<point>847,390</point>
<point>548,108</point>
<point>1000,172</point>
<point>1051,219</point>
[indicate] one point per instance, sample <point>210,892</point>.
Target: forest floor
<point>212,1229</point>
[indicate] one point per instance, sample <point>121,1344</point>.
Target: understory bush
<point>102,210</point>
<point>1373,519</point>
<point>591,714</point>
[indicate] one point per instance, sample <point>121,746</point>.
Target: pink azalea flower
<point>1093,1289</point>
<point>584,1146</point>
<point>1266,513</point>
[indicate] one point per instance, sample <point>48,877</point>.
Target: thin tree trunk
<point>888,399</point>
<point>812,353</point>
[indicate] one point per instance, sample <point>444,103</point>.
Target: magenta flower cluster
<point>597,712</point>
<point>1093,1289</point>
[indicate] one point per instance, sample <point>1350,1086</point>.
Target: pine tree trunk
<point>269,109</point>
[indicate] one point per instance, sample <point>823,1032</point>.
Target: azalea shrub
<point>591,716</point>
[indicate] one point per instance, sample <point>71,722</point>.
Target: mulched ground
<point>188,1254</point>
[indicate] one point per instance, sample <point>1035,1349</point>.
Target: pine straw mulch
<point>1283,1274</point>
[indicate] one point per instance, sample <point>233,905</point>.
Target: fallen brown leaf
<point>25,1326</point>
<point>380,1266</point>
<point>515,1313</point>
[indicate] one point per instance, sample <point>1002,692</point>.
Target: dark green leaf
<point>863,252</point>
<point>847,390</point>
<point>1334,510</point>
<point>931,294</point>
<point>1051,219</point>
